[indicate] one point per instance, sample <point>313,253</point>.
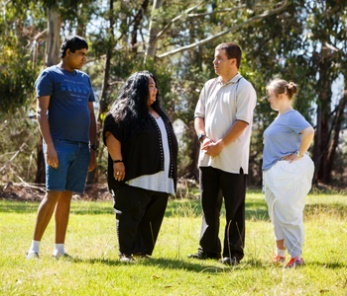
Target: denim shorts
<point>72,171</point>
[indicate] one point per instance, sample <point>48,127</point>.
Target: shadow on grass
<point>329,265</point>
<point>17,207</point>
<point>192,265</point>
<point>196,266</point>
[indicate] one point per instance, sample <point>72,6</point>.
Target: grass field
<point>95,269</point>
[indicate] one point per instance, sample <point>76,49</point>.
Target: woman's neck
<point>152,112</point>
<point>285,107</point>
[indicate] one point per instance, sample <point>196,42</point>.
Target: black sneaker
<point>203,256</point>
<point>126,258</point>
<point>233,261</point>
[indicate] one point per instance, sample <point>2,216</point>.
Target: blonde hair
<point>280,86</point>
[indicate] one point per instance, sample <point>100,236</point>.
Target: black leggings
<point>139,214</point>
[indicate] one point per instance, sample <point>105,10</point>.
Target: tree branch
<point>177,18</point>
<point>21,148</point>
<point>209,39</point>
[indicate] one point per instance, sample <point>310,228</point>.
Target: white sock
<point>35,247</point>
<point>281,252</point>
<point>58,249</point>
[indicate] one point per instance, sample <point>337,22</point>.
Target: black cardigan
<point>142,152</point>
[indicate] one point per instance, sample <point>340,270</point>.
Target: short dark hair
<point>232,50</point>
<point>73,43</point>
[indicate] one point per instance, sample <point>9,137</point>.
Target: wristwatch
<point>201,137</point>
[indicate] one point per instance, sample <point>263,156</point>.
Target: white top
<point>159,181</point>
<point>220,105</point>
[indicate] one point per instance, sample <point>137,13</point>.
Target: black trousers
<point>216,184</point>
<point>139,214</point>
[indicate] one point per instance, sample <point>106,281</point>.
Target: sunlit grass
<point>95,270</point>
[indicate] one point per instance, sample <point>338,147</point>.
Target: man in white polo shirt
<point>223,123</point>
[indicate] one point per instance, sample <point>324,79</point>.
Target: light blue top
<point>68,112</point>
<point>282,137</point>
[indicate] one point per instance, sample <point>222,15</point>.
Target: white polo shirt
<point>220,105</point>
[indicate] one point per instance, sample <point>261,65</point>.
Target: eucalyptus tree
<point>21,22</point>
<point>30,35</point>
<point>17,68</point>
<point>300,40</point>
<point>306,43</point>
<point>61,15</point>
<point>275,47</point>
<point>175,40</point>
<point>327,24</point>
<point>183,35</point>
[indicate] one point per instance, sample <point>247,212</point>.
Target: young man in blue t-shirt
<point>67,123</point>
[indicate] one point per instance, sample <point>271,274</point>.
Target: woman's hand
<point>119,171</point>
<point>114,149</point>
<point>292,157</point>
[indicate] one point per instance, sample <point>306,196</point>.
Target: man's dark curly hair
<point>130,107</point>
<point>73,43</point>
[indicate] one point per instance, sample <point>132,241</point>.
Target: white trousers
<point>286,186</point>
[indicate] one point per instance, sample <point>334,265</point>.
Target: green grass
<point>95,270</point>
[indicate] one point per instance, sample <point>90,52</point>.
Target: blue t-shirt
<point>282,137</point>
<point>68,112</point>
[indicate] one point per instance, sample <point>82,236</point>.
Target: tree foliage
<point>299,40</point>
<point>17,70</point>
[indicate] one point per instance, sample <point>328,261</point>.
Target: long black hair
<point>130,107</point>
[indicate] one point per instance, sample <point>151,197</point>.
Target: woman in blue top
<point>287,171</point>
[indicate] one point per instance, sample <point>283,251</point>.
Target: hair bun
<point>292,88</point>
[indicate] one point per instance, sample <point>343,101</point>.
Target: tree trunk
<point>137,23</point>
<point>103,104</point>
<point>335,139</point>
<point>81,20</point>
<point>105,83</point>
<point>153,31</point>
<point>322,136</point>
<point>52,58</point>
<point>53,38</point>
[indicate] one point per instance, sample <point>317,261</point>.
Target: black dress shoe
<point>203,256</point>
<point>230,261</point>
